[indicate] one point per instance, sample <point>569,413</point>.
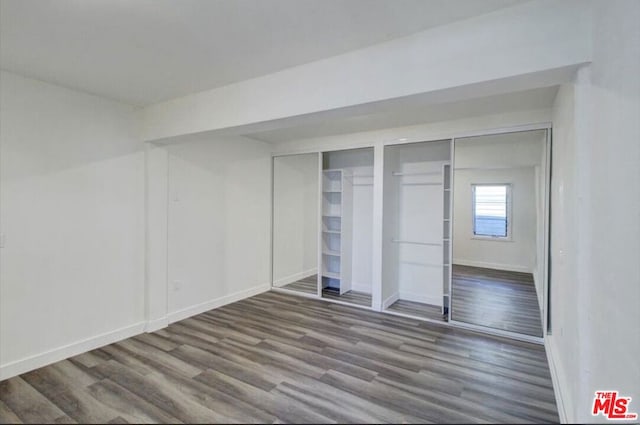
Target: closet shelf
<point>331,275</point>
<point>332,215</point>
<point>331,191</point>
<point>416,242</point>
<point>333,232</point>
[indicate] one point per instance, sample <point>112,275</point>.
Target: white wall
<point>515,156</point>
<point>595,240</point>
<point>218,223</point>
<point>295,225</point>
<point>72,210</point>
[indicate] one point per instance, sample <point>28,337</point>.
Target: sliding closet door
<point>295,222</point>
<point>499,231</point>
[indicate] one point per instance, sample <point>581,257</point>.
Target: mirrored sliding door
<point>498,244</point>
<point>295,222</point>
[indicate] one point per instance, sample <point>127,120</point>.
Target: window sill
<point>490,238</point>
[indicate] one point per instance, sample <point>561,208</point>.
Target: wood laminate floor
<point>277,357</point>
<point>308,285</point>
<point>352,297</point>
<point>495,298</point>
<point>416,309</point>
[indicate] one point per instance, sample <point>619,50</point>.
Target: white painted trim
<point>425,136</point>
<point>504,130</point>
<point>389,301</point>
<point>156,324</point>
<point>36,361</point>
<point>555,380</point>
<point>496,332</point>
<point>422,319</point>
<point>331,300</point>
<point>378,226</point>
<point>495,266</point>
<point>217,302</point>
<point>420,298</point>
<point>294,277</point>
<point>296,293</point>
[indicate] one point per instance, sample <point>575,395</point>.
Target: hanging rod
<point>430,173</point>
<point>497,167</point>
<point>423,184</point>
<point>416,242</point>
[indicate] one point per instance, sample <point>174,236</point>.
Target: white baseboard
<point>217,302</point>
<point>421,298</point>
<point>495,266</point>
<point>27,364</point>
<point>555,380</point>
<point>393,298</point>
<point>156,324</point>
<point>295,277</point>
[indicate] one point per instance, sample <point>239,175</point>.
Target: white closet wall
<point>413,222</point>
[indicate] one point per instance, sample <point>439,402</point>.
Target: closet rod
<point>496,167</point>
<point>423,184</point>
<point>431,173</point>
<point>416,242</point>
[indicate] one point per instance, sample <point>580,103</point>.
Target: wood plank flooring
<point>281,358</point>
<point>417,309</point>
<point>352,297</point>
<point>497,299</point>
<point>308,285</point>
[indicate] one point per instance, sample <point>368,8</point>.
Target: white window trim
<point>509,237</point>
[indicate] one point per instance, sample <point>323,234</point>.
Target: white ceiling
<point>145,51</point>
<point>406,112</point>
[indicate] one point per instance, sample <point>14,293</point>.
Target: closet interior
<point>416,229</point>
<point>346,226</point>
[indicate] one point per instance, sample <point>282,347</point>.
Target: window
<point>491,210</point>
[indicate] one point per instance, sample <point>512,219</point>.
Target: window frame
<point>509,216</point>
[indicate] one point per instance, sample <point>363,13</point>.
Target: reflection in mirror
<point>347,224</point>
<point>295,222</point>
<point>498,231</point>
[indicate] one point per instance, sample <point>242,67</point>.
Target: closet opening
<point>347,226</point>
<point>416,229</point>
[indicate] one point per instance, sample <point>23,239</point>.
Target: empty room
<point>319,211</point>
